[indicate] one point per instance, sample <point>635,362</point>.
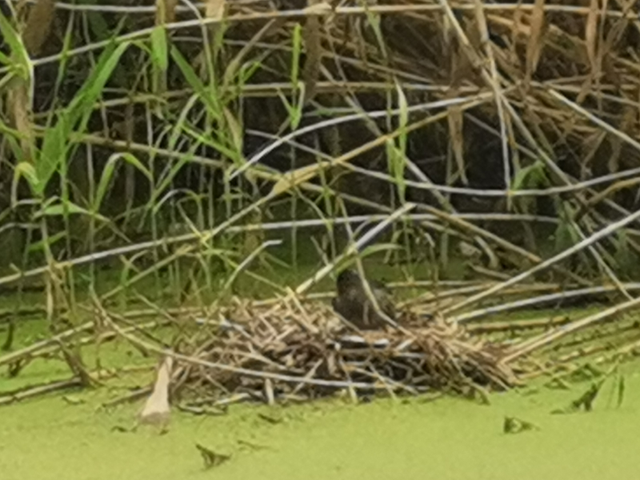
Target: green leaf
<point>533,176</point>
<point>208,96</point>
<point>26,170</point>
<point>108,172</point>
<point>38,246</point>
<point>403,118</point>
<point>81,106</point>
<point>295,55</point>
<point>58,209</point>
<point>293,109</point>
<point>20,63</point>
<point>4,59</point>
<point>379,247</point>
<point>54,148</point>
<point>75,116</point>
<point>159,52</point>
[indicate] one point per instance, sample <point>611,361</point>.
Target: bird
<point>352,302</point>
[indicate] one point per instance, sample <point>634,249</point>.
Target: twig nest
<point>289,360</point>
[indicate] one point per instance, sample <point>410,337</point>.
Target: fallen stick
<point>30,392</point>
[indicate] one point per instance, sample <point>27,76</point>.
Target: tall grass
<point>179,144</point>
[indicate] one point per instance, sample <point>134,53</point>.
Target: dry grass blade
<point>591,35</point>
<point>536,39</point>
<point>165,11</point>
<point>19,104</point>
<point>215,9</point>
<point>39,21</point>
<point>311,35</point>
<point>456,127</point>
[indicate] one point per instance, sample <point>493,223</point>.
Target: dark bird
<point>354,305</point>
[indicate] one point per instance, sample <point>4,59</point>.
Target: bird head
<point>346,280</point>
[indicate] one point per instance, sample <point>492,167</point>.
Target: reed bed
<point>185,142</point>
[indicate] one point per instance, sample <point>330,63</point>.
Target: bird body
<point>355,306</point>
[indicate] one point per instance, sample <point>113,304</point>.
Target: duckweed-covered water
<point>448,438</point>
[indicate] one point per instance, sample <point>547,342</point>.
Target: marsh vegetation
<point>181,183</point>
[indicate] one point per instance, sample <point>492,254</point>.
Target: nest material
<point>282,353</point>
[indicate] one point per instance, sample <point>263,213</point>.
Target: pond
<point>447,438</point>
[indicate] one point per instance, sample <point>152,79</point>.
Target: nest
<point>278,354</point>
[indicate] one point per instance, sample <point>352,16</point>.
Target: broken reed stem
<point>518,325</point>
<point>535,301</point>
<point>523,289</point>
<point>546,338</point>
<point>36,347</point>
<point>547,263</point>
<point>30,392</point>
<point>51,345</point>
<point>562,370</point>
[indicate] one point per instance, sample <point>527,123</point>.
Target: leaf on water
<point>621,388</point>
<point>557,384</point>
<point>121,429</point>
<point>72,400</point>
<point>213,411</point>
<point>273,420</point>
<point>585,401</point>
<point>211,458</point>
<point>513,425</point>
<point>253,446</point>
